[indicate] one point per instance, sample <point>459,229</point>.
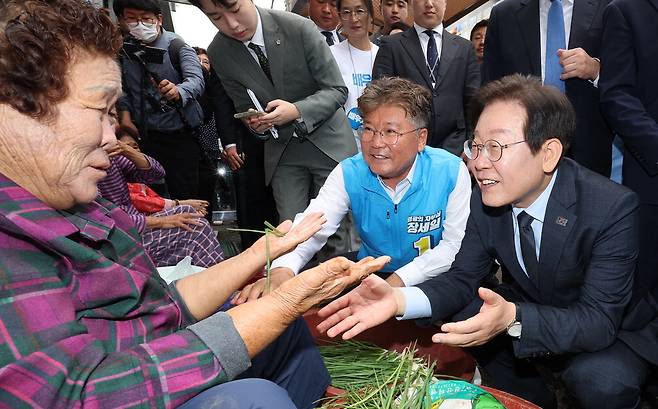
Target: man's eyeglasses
<point>493,150</point>
<point>347,14</point>
<point>145,20</point>
<point>389,136</point>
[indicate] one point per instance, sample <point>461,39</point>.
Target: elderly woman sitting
<point>169,235</point>
<point>85,320</point>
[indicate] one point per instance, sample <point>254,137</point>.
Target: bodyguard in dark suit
<point>629,98</point>
<point>566,239</point>
<point>519,38</point>
<point>444,63</point>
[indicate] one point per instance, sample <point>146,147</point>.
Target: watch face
<point>514,330</point>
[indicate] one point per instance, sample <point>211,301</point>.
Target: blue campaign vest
<point>413,226</point>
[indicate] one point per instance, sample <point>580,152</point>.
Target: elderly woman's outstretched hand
<point>278,246</point>
<point>327,280</point>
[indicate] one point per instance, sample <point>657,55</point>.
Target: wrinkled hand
<point>235,161</point>
<point>576,63</point>
<point>200,206</point>
<point>327,280</point>
<point>253,291</point>
<point>279,112</point>
<point>494,317</point>
<point>309,225</point>
<point>371,303</point>
<point>168,90</point>
<point>181,220</point>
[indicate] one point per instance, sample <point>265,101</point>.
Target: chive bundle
<point>376,378</point>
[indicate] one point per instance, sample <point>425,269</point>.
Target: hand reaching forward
<point>494,317</point>
<point>327,280</point>
<point>309,225</point>
<point>254,291</point>
<point>180,220</point>
<point>371,303</point>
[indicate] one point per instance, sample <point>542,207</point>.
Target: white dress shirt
<point>334,33</point>
<point>334,202</point>
<point>425,39</point>
<point>259,40</point>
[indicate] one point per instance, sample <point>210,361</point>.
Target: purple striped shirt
<point>85,320</point>
<point>114,187</point>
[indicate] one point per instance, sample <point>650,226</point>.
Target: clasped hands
<point>375,301</point>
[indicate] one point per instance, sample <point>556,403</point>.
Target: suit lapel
<point>581,19</point>
<point>527,17</point>
<point>507,253</point>
<point>411,44</point>
<point>558,224</point>
<point>274,44</point>
<point>243,59</point>
<point>448,51</point>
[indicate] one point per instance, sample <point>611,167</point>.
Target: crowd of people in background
<point>473,178</point>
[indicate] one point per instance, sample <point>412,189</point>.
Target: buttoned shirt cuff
<point>595,82</point>
<point>220,335</point>
<point>230,145</point>
<point>417,305</point>
<point>410,274</point>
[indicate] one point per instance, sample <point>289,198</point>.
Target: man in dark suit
<point>430,56</point>
<point>629,99</point>
<point>285,61</point>
<point>522,37</point>
<point>566,239</point>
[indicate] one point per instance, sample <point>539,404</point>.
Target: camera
<point>134,50</point>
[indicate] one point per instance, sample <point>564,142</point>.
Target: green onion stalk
<point>269,229</point>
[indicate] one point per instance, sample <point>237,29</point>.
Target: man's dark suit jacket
<point>629,98</point>
<point>513,46</point>
<point>401,55</point>
<point>586,263</point>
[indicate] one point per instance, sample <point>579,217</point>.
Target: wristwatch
<point>514,327</point>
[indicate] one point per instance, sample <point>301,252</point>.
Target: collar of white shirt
<point>438,31</point>
<point>258,37</point>
<point>401,188</point>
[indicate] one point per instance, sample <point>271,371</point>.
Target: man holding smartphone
<point>285,61</point>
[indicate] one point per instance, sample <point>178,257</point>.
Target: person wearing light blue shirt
<point>566,239</point>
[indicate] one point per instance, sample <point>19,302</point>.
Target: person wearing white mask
<point>160,98</point>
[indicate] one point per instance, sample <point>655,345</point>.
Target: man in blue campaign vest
<point>408,200</point>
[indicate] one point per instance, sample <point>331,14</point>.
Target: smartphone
<point>247,114</point>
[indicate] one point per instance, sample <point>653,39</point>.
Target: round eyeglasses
<point>346,14</point>
<point>389,136</point>
<point>493,150</point>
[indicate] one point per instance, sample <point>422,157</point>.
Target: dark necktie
<point>527,238</point>
<point>432,56</point>
<point>329,36</point>
<point>555,40</point>
<point>262,60</point>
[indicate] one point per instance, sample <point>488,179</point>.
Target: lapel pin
<point>278,42</point>
<point>562,221</point>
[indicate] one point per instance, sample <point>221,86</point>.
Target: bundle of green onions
<point>376,378</point>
